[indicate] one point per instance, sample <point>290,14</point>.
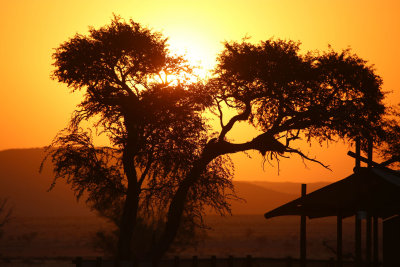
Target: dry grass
<point>65,238</point>
<point>275,238</point>
<point>50,237</point>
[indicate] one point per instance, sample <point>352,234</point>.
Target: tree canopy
<point>155,126</point>
<point>287,96</point>
<point>324,95</point>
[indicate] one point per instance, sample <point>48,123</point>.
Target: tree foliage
<point>155,126</point>
<point>287,96</point>
<point>325,95</point>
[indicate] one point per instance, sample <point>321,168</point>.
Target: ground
<point>58,240</point>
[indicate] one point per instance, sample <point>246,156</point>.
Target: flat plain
<point>64,238</point>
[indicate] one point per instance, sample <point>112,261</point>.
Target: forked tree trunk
<point>176,210</point>
<point>263,142</point>
<point>130,209</point>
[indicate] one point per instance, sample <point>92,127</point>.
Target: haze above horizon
<point>34,108</point>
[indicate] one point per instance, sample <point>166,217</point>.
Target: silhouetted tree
<point>155,127</point>
<point>164,160</point>
<point>286,96</point>
<point>5,214</point>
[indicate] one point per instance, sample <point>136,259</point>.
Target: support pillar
<point>368,227</point>
<point>303,232</point>
<point>339,241</point>
<point>358,153</point>
<point>376,244</point>
<point>357,248</point>
<point>368,239</point>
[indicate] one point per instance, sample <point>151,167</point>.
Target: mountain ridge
<point>28,190</point>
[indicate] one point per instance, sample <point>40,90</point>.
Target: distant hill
<point>289,187</point>
<point>27,189</point>
<point>258,199</point>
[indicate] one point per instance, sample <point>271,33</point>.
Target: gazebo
<point>372,193</point>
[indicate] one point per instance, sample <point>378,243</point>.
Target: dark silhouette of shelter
<point>370,190</point>
<point>372,193</point>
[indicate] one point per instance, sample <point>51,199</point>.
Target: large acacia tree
<point>154,124</point>
<point>287,96</point>
<point>163,152</point>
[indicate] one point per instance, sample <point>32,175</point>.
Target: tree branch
<point>240,117</point>
<point>292,150</point>
<point>263,143</point>
<point>146,170</point>
<point>122,83</point>
<point>220,114</point>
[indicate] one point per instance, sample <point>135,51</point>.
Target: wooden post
<point>368,240</point>
<point>376,244</point>
<point>303,231</point>
<point>357,222</point>
<point>370,146</point>
<point>339,240</point>
<point>358,153</point>
<point>357,240</point>
<point>369,218</point>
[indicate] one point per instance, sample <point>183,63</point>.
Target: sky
<point>33,108</point>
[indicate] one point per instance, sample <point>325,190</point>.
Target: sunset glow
<point>33,107</point>
<point>196,53</point>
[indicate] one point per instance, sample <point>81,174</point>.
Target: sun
<point>196,52</point>
<point>201,69</point>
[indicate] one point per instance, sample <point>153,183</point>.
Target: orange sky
<point>33,107</point>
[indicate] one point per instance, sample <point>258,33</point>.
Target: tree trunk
<point>176,209</point>
<point>129,213</point>
<point>264,142</point>
<point>130,209</point>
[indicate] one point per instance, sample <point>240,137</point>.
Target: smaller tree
<point>286,96</point>
<point>390,149</point>
<point>5,214</point>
